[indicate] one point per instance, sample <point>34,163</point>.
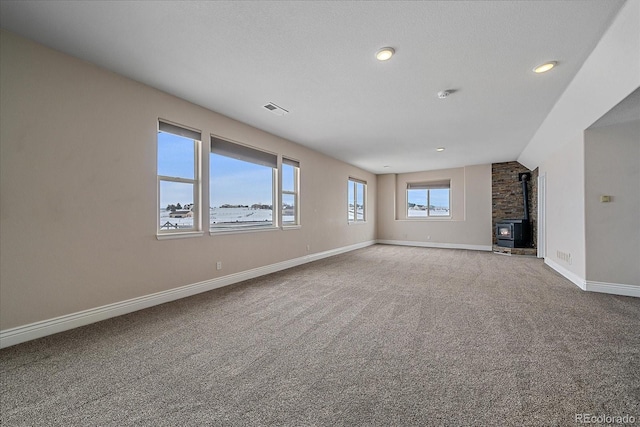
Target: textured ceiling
<point>316,59</point>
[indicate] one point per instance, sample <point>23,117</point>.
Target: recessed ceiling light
<point>543,68</point>
<point>386,166</point>
<point>440,149</point>
<point>385,53</point>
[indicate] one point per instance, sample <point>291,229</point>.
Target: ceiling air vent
<point>276,109</point>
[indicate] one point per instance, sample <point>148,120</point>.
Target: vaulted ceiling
<point>316,59</point>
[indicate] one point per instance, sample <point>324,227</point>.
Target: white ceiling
<point>626,110</point>
<point>316,59</point>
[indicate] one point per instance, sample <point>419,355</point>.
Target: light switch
<point>605,199</point>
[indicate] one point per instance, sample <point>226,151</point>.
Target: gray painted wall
<point>612,166</point>
<point>78,191</point>
<point>470,223</point>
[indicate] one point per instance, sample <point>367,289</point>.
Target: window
<point>428,199</point>
<point>357,200</point>
<point>242,187</point>
<point>178,179</point>
<point>290,192</point>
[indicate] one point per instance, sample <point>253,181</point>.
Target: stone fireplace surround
<point>507,203</point>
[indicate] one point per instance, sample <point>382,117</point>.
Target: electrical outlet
<point>219,265</point>
<point>308,248</point>
<point>428,237</point>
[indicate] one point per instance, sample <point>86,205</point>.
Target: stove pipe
<point>524,178</point>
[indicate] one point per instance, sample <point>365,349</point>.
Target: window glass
<point>289,209</point>
<point>417,203</point>
<point>439,202</point>
<point>178,186</point>
<point>428,199</point>
<point>175,156</point>
<point>357,194</point>
<point>241,189</point>
<point>290,192</point>
<point>288,177</point>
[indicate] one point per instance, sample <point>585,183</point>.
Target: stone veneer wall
<point>506,195</point>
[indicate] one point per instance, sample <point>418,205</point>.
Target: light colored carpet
<point>381,336</point>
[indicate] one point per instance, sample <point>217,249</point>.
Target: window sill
<point>292,227</point>
<point>357,222</point>
<point>241,230</point>
<point>428,219</point>
<point>179,235</point>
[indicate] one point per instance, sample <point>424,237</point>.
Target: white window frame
<point>428,186</point>
<point>234,150</point>
<point>196,135</point>
<point>355,182</point>
<point>295,193</point>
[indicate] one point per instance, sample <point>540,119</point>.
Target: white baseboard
<point>591,286</point>
<point>577,280</point>
<point>20,334</point>
<point>436,245</point>
<point>614,288</point>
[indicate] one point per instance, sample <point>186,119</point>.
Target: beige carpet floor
<point>382,336</point>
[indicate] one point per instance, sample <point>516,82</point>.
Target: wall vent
<point>564,256</point>
<point>275,109</point>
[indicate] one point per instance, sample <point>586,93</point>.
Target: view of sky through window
<point>439,197</point>
<point>236,182</point>
<point>287,177</point>
<point>232,181</point>
<point>175,159</point>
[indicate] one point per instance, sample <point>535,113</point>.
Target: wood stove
<point>513,233</point>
